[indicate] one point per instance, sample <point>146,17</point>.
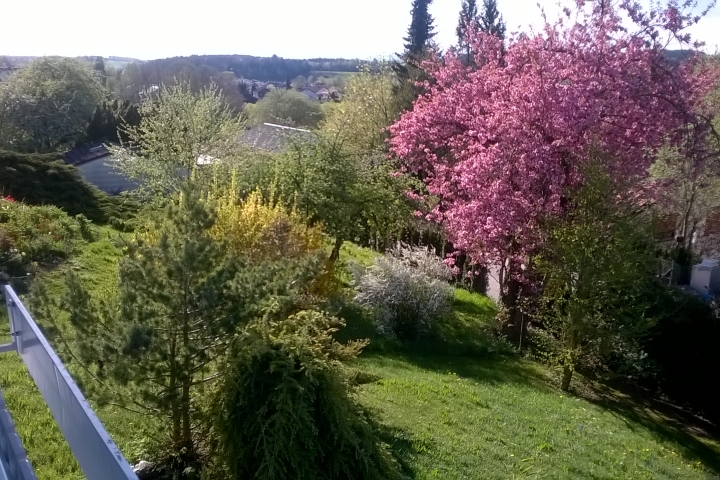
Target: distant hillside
<point>678,56</point>
<point>120,62</point>
<point>19,61</point>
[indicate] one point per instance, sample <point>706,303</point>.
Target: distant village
<point>314,91</point>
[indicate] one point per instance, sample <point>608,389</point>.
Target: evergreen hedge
<point>44,179</point>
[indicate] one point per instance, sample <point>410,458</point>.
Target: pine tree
<point>418,45</point>
<point>490,19</point>
<point>181,297</point>
<point>99,67</point>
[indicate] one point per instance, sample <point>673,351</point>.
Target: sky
<point>148,29</point>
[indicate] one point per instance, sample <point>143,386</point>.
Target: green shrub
<point>287,410</point>
<point>31,235</point>
<point>407,290</point>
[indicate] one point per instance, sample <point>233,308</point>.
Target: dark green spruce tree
<point>490,19</point>
<point>468,21</point>
<point>107,120</point>
<point>418,47</point>
<point>420,32</point>
<point>99,67</point>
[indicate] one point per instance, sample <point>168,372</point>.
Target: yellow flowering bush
<point>262,228</point>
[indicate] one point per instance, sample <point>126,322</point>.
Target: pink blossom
<point>499,145</point>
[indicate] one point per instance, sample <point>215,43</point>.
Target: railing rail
<point>94,449</point>
<point>14,464</point>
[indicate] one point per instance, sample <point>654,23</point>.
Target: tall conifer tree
<point>418,44</point>
<point>420,32</point>
<point>490,19</point>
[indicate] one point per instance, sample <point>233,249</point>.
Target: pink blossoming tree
<point>500,144</point>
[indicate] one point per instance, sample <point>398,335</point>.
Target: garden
<point>318,311</point>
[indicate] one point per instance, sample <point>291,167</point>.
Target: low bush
<point>31,235</point>
<point>286,409</point>
<point>406,289</point>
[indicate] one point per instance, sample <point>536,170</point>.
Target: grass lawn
<point>458,406</point>
<point>455,406</point>
<point>468,418</point>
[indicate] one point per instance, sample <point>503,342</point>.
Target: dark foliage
<point>46,180</point>
<point>420,32</point>
<point>683,350</point>
<point>490,19</point>
<point>418,45</point>
<point>107,120</point>
<point>468,19</point>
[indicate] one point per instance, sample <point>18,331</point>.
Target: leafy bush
<point>29,235</point>
<point>286,409</point>
<point>286,107</point>
<point>406,289</point>
<point>261,228</point>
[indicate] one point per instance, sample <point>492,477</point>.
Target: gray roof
<point>273,138</point>
<point>85,153</point>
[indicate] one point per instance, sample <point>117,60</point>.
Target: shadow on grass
<point>492,370</point>
<point>401,448</point>
<point>698,439</point>
<point>467,346</point>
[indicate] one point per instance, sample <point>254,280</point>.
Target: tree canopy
<point>490,21</point>
<point>597,265</point>
<point>286,107</point>
<point>468,21</point>
<point>500,145</point>
<point>358,123</point>
<point>178,132</point>
<point>418,47</point>
<point>420,32</point>
<point>48,104</point>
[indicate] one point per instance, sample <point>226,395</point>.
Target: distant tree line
<point>133,81</point>
<point>335,64</point>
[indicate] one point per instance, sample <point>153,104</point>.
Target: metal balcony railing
<point>94,449</point>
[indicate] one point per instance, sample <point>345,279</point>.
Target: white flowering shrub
<point>406,289</point>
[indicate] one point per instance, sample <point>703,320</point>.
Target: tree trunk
<point>335,254</point>
<point>172,391</point>
<point>567,376</point>
<point>510,293</point>
<point>187,439</point>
